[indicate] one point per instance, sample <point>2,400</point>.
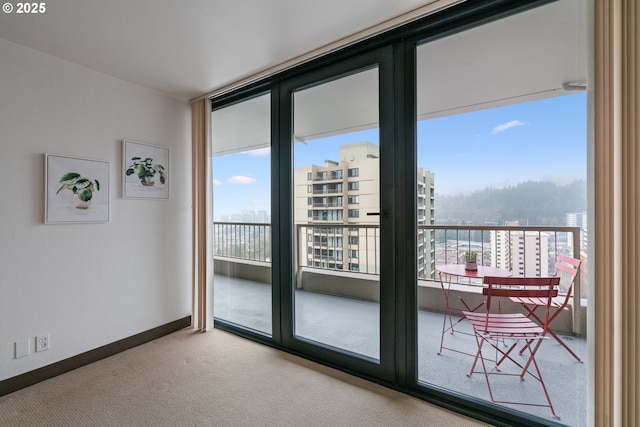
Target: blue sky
<point>540,140</point>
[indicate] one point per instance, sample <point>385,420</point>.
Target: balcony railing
<point>242,240</point>
<point>517,241</point>
<point>327,191</point>
<point>448,243</point>
<point>327,204</point>
<point>343,247</point>
<point>356,247</point>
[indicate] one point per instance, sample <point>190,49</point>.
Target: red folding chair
<point>565,267</point>
<point>498,330</point>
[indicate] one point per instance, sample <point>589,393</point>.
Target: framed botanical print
<point>76,190</point>
<point>145,171</point>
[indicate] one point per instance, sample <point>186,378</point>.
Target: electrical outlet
<point>43,342</point>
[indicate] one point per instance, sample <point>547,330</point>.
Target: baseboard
<point>32,377</point>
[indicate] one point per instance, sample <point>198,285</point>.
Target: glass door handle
<point>383,214</point>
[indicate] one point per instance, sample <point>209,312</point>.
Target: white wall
<point>86,284</point>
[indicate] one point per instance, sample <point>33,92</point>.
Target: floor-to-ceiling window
<point>241,147</point>
<point>502,156</point>
<point>496,138</point>
<point>336,184</point>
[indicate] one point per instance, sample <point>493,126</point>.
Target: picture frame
<point>145,171</point>
<point>76,190</point>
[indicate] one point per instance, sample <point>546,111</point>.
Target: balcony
<point>243,296</point>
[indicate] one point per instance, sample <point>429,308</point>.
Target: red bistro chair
<point>565,267</point>
<point>503,332</point>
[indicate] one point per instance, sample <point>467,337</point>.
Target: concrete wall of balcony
<point>367,287</point>
<point>255,271</point>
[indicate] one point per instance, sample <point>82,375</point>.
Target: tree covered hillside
<point>530,203</point>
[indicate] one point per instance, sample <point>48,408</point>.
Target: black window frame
<point>403,40</point>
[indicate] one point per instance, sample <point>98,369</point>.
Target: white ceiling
<point>188,48</point>
<point>520,58</point>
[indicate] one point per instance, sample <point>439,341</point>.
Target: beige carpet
<point>214,379</point>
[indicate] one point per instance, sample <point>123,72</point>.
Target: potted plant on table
<point>146,170</point>
<point>81,186</point>
<point>470,260</point>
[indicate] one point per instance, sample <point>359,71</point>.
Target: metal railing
<point>446,243</point>
<point>342,247</point>
<point>242,240</point>
<point>457,239</point>
<point>327,191</point>
<point>356,247</point>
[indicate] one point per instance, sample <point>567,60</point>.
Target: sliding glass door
<point>340,263</point>
<point>386,163</point>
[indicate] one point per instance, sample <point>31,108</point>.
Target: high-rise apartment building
<point>525,253</point>
<point>327,197</point>
<point>426,216</point>
<point>578,219</point>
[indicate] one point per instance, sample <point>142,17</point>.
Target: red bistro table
<point>445,273</point>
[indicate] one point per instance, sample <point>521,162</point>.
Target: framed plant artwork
<point>146,171</point>
<point>76,190</point>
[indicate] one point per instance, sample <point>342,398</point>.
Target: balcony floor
<point>353,325</point>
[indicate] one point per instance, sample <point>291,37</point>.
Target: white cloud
<point>216,182</point>
<point>260,152</point>
<point>240,179</point>
<point>505,126</point>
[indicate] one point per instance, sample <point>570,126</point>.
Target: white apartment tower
<point>578,219</point>
<point>525,253</point>
<point>426,216</point>
<point>343,192</point>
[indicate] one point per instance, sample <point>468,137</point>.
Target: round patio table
<point>459,270</point>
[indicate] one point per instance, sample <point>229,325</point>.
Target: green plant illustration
<point>81,186</point>
<point>146,170</point>
<point>471,257</point>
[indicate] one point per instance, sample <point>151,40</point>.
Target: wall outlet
<point>43,342</point>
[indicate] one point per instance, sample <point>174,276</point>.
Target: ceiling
<point>524,57</point>
<point>189,48</point>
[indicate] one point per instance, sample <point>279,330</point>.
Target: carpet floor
<point>190,378</point>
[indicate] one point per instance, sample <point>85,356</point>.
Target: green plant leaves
<point>79,185</point>
<point>85,195</point>
<point>145,169</point>
<point>69,176</point>
<point>140,169</point>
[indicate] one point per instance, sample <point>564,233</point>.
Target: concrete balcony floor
<point>353,325</point>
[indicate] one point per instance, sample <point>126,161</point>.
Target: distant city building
<point>344,192</point>
<point>247,215</point>
<point>262,216</point>
<point>426,216</point>
<point>578,219</point>
<point>525,253</point>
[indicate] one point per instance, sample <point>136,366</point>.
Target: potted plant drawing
<point>81,186</point>
<point>146,170</point>
<point>470,260</point>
